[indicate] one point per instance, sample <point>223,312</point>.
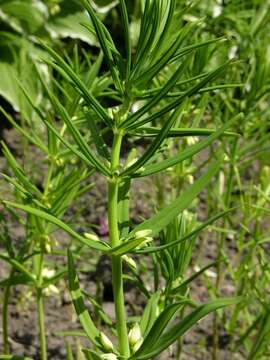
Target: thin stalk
<point>40,309</point>
<point>5,319</point>
<point>41,325</point>
<point>221,250</point>
<point>117,273</point>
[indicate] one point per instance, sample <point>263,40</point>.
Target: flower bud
<point>48,273</point>
<point>110,356</point>
<point>93,237</point>
<point>51,290</point>
<point>130,261</point>
<point>131,162</point>
<point>143,233</point>
<point>137,345</point>
<point>134,335</point>
<point>106,342</point>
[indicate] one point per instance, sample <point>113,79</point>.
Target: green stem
<point>221,250</point>
<point>117,274</point>
<point>41,325</point>
<point>40,308</point>
<point>5,319</point>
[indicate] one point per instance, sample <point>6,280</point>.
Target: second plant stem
<point>117,274</point>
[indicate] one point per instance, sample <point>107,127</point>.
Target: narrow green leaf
<point>126,247</point>
<point>54,279</point>
<point>14,357</point>
<point>55,131</point>
<point>20,279</point>
<point>188,153</point>
<point>160,325</point>
<point>19,267</point>
<point>171,335</point>
<point>78,138</point>
<point>161,136</point>
<point>188,48</point>
<point>150,314</point>
<point>66,69</point>
<point>72,148</point>
<point>196,231</point>
<point>98,245</point>
<point>149,131</point>
<point>193,277</point>
<point>125,21</point>
<point>97,137</point>
<point>150,73</point>
<point>90,329</point>
<point>261,338</point>
<point>102,37</point>
<point>91,355</point>
<point>69,352</point>
<point>158,97</point>
<point>193,90</point>
<point>18,171</point>
<point>160,220</point>
<point>30,137</point>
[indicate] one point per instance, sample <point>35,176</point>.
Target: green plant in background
<point>162,92</point>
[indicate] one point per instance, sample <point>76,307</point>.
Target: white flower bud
<point>134,335</point>
<point>143,233</point>
<point>217,10</point>
<point>93,237</point>
<point>110,356</point>
<point>191,140</point>
<point>130,261</point>
<point>131,162</point>
<point>51,290</point>
<point>48,273</point>
<point>190,179</point>
<point>211,274</point>
<point>137,345</point>
<point>106,342</point>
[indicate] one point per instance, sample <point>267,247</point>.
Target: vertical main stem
<point>41,325</point>
<point>5,319</point>
<point>117,274</point>
<point>38,265</point>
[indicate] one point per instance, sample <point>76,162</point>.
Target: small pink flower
<point>103,227</point>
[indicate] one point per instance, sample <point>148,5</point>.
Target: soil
<point>95,278</point>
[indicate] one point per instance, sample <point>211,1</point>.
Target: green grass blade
<point>18,172</point>
<point>97,137</point>
<point>196,231</point>
<point>125,21</point>
<point>160,220</point>
<point>79,140</point>
<point>161,136</point>
<point>14,357</point>
<point>19,267</point>
<point>102,37</point>
<point>188,153</point>
<point>190,92</point>
<point>69,73</point>
<point>90,329</point>
<point>158,97</point>
<point>35,140</point>
<point>160,325</point>
<point>151,131</point>
<point>97,245</point>
<point>150,314</point>
<point>126,247</point>
<point>171,335</point>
